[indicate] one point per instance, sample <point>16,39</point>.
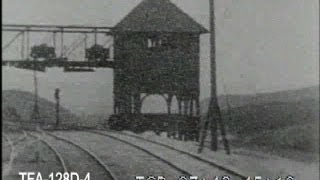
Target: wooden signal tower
<point>156,49</point>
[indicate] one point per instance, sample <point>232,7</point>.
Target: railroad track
<point>180,170</point>
<point>107,172</point>
<point>13,151</point>
<point>17,141</point>
<point>8,166</point>
<point>228,170</point>
<point>10,145</point>
<point>53,149</point>
<point>7,139</point>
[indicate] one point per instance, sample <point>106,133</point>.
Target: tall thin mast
<point>214,110</point>
<point>35,114</point>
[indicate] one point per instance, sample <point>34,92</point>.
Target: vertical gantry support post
<point>86,46</point>
<point>22,45</point>
<point>28,43</point>
<point>54,40</point>
<point>95,36</point>
<point>62,54</point>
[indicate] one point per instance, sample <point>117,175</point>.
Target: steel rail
<point>60,158</point>
<point>146,151</point>
<point>213,164</point>
<point>91,154</point>
<point>21,138</point>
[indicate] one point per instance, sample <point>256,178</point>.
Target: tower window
<point>153,43</point>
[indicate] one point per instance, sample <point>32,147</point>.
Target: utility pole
<point>213,107</point>
<point>35,114</point>
<point>214,115</point>
<point>222,127</point>
<point>57,97</point>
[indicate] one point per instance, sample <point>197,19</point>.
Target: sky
<point>262,46</point>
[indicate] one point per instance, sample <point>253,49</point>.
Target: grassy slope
<point>23,103</point>
<point>252,119</point>
<point>264,98</point>
<point>275,121</point>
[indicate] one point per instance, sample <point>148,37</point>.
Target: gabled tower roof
<point>159,16</point>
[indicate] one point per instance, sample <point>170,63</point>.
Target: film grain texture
<point>160,89</point>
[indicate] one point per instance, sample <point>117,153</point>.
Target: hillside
<point>281,120</point>
<point>251,119</point>
<point>22,104</point>
<point>10,119</point>
<point>262,98</point>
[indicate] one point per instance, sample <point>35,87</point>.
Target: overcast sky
<point>262,45</point>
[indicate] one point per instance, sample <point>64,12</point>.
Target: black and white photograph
<point>160,90</point>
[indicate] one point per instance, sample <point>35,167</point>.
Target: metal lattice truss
<point>61,60</point>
